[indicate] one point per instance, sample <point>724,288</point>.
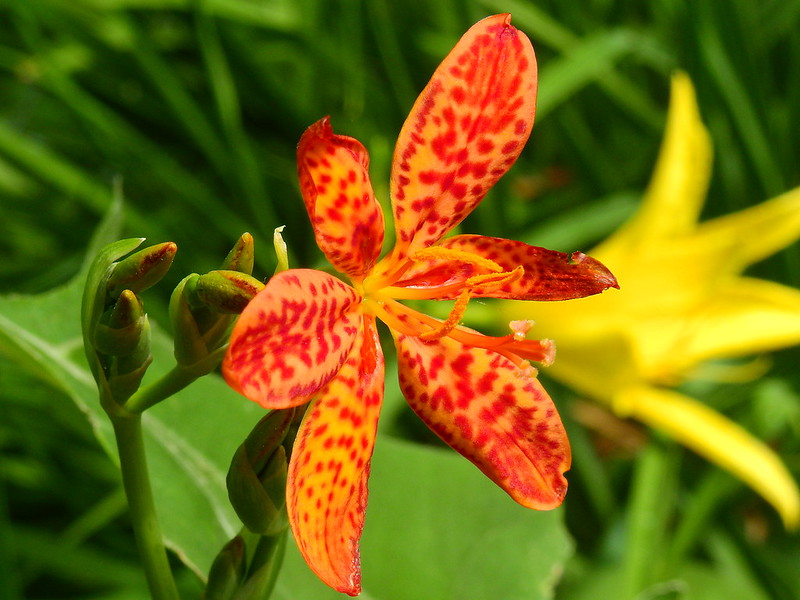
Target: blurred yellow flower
<point>683,301</point>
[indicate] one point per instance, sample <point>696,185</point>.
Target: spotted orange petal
<point>549,275</point>
<point>327,491</point>
<point>493,412</point>
<point>334,180</point>
<point>466,129</point>
<point>292,338</point>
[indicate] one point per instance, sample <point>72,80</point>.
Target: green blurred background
<point>195,107</point>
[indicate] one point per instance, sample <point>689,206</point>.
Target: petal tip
<point>601,274</point>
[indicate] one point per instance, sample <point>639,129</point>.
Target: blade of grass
<point>58,172</point>
<point>184,109</point>
<point>727,80</point>
<point>397,68</point>
<point>74,564</point>
<point>706,499</point>
<point>593,473</point>
<point>121,135</point>
<point>227,104</point>
<point>736,567</point>
<point>584,225</point>
<point>542,28</point>
<point>586,61</point>
<point>278,15</point>
<point>90,522</point>
<point>10,585</point>
<point>650,506</point>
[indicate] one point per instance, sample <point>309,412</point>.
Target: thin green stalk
<point>10,584</point>
<point>165,386</point>
<point>146,529</point>
<point>268,556</point>
<point>692,528</point>
<point>592,472</point>
<point>648,512</point>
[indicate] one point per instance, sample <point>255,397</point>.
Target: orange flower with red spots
<point>308,336</point>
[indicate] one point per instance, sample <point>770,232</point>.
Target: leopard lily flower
<point>684,302</point>
<point>309,336</point>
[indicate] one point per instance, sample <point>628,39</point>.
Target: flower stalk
<point>144,520</point>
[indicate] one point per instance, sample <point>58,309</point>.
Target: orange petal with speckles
<point>292,338</point>
<point>494,413</point>
<point>549,275</point>
<point>334,180</point>
<point>466,129</point>
<point>327,491</point>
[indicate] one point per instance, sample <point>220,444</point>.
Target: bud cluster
<point>203,307</point>
<point>116,328</point>
<point>256,484</point>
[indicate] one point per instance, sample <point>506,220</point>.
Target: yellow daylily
<point>683,301</point>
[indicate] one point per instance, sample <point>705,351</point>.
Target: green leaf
<point>589,61</point>
<point>438,529</point>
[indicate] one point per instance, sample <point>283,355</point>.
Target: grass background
<point>196,108</point>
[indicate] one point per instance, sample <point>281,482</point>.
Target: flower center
<point>380,299</point>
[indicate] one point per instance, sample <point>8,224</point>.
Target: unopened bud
<point>242,257</point>
<point>257,475</point>
<point>227,571</point>
<point>202,310</point>
<point>121,327</point>
<point>142,269</point>
<point>124,373</point>
<point>190,347</point>
<point>227,291</point>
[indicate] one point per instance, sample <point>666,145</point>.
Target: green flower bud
<point>227,291</point>
<point>121,327</point>
<point>227,571</point>
<point>202,310</point>
<point>142,269</point>
<point>190,347</point>
<point>124,373</point>
<point>242,257</point>
<point>257,475</point>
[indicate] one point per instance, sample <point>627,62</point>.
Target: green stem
<point>265,567</point>
<point>649,511</point>
<point>146,529</point>
<point>165,386</point>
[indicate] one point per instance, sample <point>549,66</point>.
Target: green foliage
<point>196,107</point>
<point>438,530</point>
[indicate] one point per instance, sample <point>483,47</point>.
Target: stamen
<point>410,322</point>
<point>399,318</point>
<point>453,254</point>
<point>495,279</point>
<point>520,328</point>
<point>452,319</point>
<point>440,292</point>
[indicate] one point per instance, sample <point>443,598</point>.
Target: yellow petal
<point>719,440</point>
<point>678,188</point>
<point>595,367</point>
<point>752,234</point>
<point>746,317</point>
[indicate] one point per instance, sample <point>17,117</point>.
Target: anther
<point>453,254</point>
